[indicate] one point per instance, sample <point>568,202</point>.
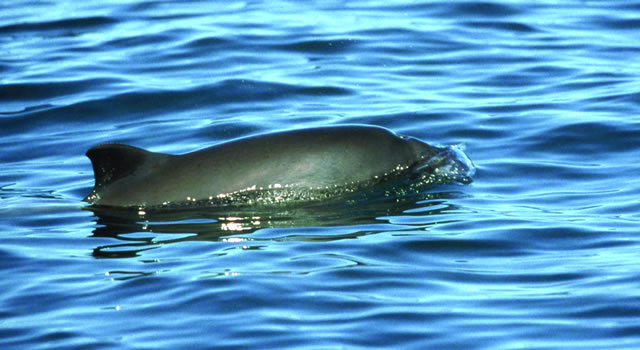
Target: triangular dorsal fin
<point>114,161</point>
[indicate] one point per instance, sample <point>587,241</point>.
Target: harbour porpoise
<point>280,165</point>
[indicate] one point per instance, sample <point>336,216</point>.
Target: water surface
<point>539,252</point>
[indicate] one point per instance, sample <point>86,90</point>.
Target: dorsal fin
<point>114,161</point>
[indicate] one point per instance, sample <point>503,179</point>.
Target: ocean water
<point>540,251</point>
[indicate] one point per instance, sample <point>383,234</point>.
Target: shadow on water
<point>347,218</point>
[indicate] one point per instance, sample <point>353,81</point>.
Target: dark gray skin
<point>323,157</point>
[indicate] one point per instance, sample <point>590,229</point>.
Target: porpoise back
<point>304,159</point>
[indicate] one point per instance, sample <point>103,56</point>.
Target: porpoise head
<point>448,161</point>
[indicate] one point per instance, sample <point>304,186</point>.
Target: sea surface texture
<point>540,251</point>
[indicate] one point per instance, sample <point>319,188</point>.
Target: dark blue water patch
<point>226,130</point>
<point>15,337</point>
<point>12,263</point>
<point>319,46</point>
<point>515,27</point>
<point>509,80</point>
<point>415,41</point>
<point>456,10</point>
<point>9,190</point>
<point>5,68</point>
<point>622,5</point>
<point>622,309</point>
<point>614,23</point>
<point>511,108</point>
<point>555,46</point>
<point>547,70</point>
<point>625,330</point>
<point>31,300</point>
<point>166,10</point>
<point>209,44</point>
<point>393,32</point>
<point>607,243</point>
<point>581,83</point>
<point>158,101</point>
<point>142,6</point>
<point>436,127</point>
<point>77,25</point>
<point>621,99</point>
<point>475,9</point>
<point>464,248</point>
<point>480,59</point>
<point>60,338</point>
<point>127,43</point>
<point>475,132</point>
<point>44,90</point>
<point>552,173</point>
<point>615,51</point>
<point>520,278</point>
<point>586,139</point>
<point>569,238</point>
<point>395,121</point>
<point>20,150</point>
<point>323,91</point>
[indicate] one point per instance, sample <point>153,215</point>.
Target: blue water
<point>541,251</point>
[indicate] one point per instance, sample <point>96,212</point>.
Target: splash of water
<point>450,165</point>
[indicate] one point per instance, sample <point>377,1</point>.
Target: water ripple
<point>75,24</point>
<point>539,251</point>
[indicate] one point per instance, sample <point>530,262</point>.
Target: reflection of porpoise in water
<point>295,165</point>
